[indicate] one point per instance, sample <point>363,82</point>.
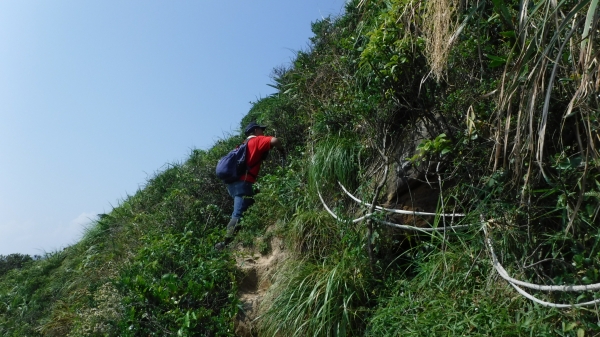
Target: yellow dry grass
<point>439,27</point>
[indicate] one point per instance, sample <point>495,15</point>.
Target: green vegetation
<point>13,261</point>
<point>490,109</point>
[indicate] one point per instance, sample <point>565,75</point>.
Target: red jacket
<point>258,147</point>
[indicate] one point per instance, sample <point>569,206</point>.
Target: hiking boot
<point>223,244</point>
<point>230,234</point>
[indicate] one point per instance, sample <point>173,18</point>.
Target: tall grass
<point>314,235</point>
<point>336,159</point>
<point>456,293</point>
<point>318,299</point>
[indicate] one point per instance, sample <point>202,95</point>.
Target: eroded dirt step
<point>254,281</point>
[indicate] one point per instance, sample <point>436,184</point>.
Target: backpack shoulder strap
<point>248,167</point>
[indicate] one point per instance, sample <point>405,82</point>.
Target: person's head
<point>254,129</point>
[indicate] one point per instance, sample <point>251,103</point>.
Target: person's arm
<point>276,143</point>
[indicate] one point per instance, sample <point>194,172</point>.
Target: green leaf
<point>500,6</point>
<point>509,34</point>
<point>497,61</point>
<point>588,21</point>
<point>570,326</point>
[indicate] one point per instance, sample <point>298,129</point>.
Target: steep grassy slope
<point>485,109</point>
<point>146,267</point>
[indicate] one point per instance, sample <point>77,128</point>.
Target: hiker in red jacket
<point>242,191</point>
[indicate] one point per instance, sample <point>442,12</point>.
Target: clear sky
<point>96,96</point>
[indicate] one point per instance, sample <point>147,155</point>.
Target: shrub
<point>12,261</point>
<point>179,284</point>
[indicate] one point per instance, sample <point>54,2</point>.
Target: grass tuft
<point>317,299</point>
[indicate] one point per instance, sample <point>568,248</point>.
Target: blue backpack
<point>233,166</point>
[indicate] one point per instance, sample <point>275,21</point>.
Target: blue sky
<point>97,96</point>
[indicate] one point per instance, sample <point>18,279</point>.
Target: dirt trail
<point>256,271</point>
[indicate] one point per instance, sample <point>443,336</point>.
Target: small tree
<point>13,261</point>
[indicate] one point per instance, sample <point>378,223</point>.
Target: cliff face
<point>473,135</point>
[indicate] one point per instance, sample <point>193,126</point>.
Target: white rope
<point>514,282</point>
<point>499,268</point>
<point>413,228</point>
<point>549,304</point>
<point>422,229</point>
<point>504,274</point>
<point>391,210</point>
<point>336,217</point>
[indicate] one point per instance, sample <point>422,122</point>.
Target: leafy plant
<point>179,284</point>
<point>440,145</point>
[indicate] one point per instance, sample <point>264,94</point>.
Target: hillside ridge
<point>487,110</point>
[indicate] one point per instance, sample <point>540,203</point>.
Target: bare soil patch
<point>255,278</point>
